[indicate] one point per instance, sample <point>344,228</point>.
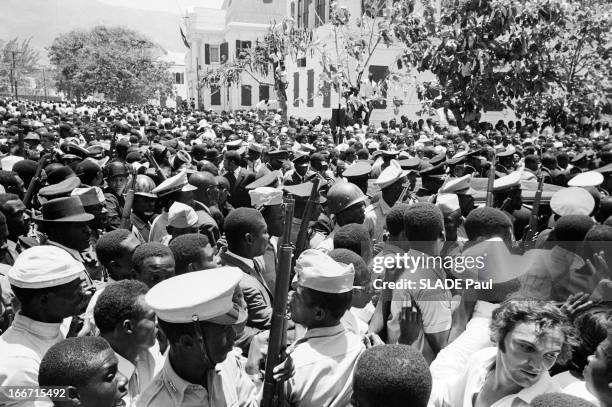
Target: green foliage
<point>25,60</point>
<point>120,63</point>
<point>543,58</point>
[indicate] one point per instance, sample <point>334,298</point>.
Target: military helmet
<point>343,195</point>
<point>144,186</point>
<point>116,168</point>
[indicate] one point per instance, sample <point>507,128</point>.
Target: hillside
<point>43,20</point>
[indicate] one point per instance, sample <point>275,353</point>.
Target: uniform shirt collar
<point>44,330</point>
<point>237,171</point>
<point>384,207</point>
<point>248,262</point>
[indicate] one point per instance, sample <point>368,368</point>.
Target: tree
<point>120,63</point>
<point>542,58</point>
<point>16,60</point>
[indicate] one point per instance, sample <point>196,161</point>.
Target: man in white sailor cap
<point>324,358</point>
<point>391,183</point>
<point>47,282</point>
<point>182,219</point>
<point>173,189</point>
<point>200,313</point>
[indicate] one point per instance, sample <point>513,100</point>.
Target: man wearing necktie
<point>247,237</point>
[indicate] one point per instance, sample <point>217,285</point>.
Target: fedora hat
<point>68,209</point>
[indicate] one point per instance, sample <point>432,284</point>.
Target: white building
<point>216,35</point>
<point>179,89</point>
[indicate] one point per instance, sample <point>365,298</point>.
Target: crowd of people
<point>443,265</point>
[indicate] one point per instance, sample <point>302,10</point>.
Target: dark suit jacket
<point>258,298</point>
<point>239,196</point>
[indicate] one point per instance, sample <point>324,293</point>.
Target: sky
<point>172,6</point>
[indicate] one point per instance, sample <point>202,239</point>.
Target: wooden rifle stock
<point>489,201</point>
<point>532,229</point>
<point>155,165</point>
<point>34,182</point>
<point>129,202</point>
<point>273,391</point>
<point>300,242</point>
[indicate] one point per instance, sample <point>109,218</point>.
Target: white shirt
<point>22,348</point>
<point>450,361</point>
<point>459,391</point>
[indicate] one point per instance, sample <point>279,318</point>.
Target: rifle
<point>532,229</point>
<point>300,242</point>
<point>34,182</point>
<point>129,202</point>
<point>155,165</point>
<point>273,392</point>
<point>489,201</point>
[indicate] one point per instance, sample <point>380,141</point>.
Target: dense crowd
<point>436,262</point>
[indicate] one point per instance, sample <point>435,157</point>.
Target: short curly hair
<point>118,302</point>
<point>352,236</point>
<point>423,222</point>
<point>486,222</point>
<point>544,314</point>
<point>390,375</point>
<point>395,219</point>
<point>149,249</point>
<point>186,249</point>
<point>108,246</point>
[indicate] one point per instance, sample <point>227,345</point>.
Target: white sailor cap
<point>317,271</point>
<point>507,182</point>
<point>207,295</point>
<point>586,179</point>
<point>44,266</point>
<point>390,175</point>
<point>182,216</point>
<point>572,201</point>
<point>175,183</point>
<point>265,196</point>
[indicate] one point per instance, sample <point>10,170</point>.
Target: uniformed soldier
<point>347,203</point>
<point>277,159</point>
<point>465,193</point>
<point>391,183</point>
<point>505,162</point>
<point>254,157</point>
<point>200,313</point>
<point>432,178</point>
<point>143,208</point>
<point>116,176</point>
<point>358,173</point>
<point>412,165</point>
<point>579,164</point>
<point>507,194</point>
<point>301,171</point>
<point>325,357</point>
<point>47,282</point>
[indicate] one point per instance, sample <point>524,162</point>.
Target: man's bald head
<point>208,187</point>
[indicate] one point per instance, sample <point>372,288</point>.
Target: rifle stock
<point>155,165</point>
<point>273,391</point>
<point>532,229</point>
<point>34,182</point>
<point>129,202</point>
<point>300,242</point>
<point>489,201</point>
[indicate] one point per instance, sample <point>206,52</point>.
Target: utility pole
<point>198,82</point>
<point>13,76</point>
<point>44,82</point>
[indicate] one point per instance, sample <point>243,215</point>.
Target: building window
<point>300,13</point>
<point>310,88</point>
<point>214,53</point>
<point>296,89</point>
<point>179,78</point>
<point>215,96</point>
<point>320,12</point>
<point>245,95</point>
<point>306,10</point>
<point>301,62</point>
<point>264,92</point>
<point>242,45</point>
<point>379,73</point>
